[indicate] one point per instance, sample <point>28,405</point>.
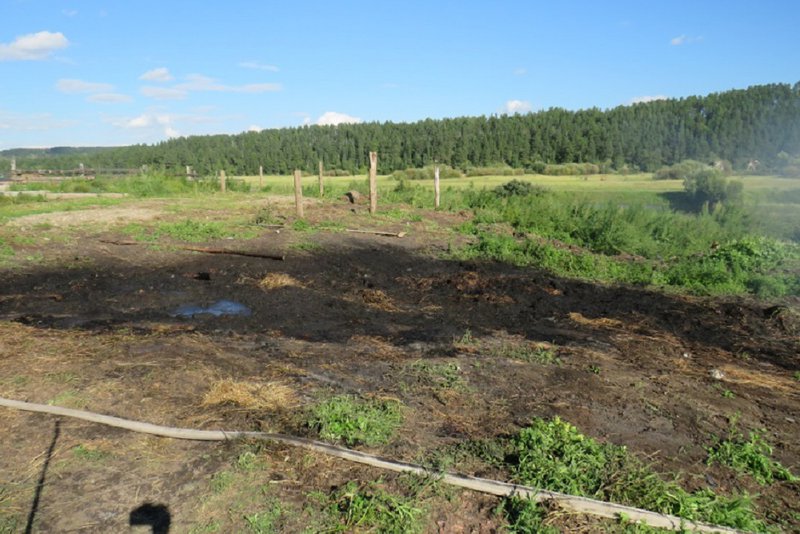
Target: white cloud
<point>109,98</point>
<point>684,39</point>
<point>516,106</point>
<point>521,71</point>
<point>171,132</point>
<point>198,82</point>
<point>69,12</point>
<point>163,93</point>
<point>36,122</point>
<point>332,118</point>
<point>256,65</point>
<point>160,74</point>
<point>647,98</point>
<point>71,86</point>
<point>677,41</point>
<point>255,128</point>
<point>142,121</point>
<point>33,46</point>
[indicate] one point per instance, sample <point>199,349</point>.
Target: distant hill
<point>741,126</point>
<point>52,152</point>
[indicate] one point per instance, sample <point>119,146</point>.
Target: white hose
<point>581,505</point>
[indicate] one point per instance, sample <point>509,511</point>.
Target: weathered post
<point>188,172</point>
<point>260,176</point>
<point>436,195</point>
<point>82,169</point>
<point>373,187</point>
<point>222,180</point>
<point>13,166</point>
<point>321,186</point>
<point>298,193</point>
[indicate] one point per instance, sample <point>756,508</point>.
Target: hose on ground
<point>572,503</point>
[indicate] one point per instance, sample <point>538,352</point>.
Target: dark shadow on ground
<point>42,478</point>
<point>156,516</point>
<point>364,287</point>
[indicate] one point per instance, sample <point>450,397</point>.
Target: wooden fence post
<point>321,186</point>
<point>260,176</point>
<point>188,172</point>
<point>222,180</point>
<point>298,193</point>
<point>436,195</point>
<point>373,187</point>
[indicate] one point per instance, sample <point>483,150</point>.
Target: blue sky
<point>113,72</point>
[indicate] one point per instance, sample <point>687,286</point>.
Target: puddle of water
<point>221,307</point>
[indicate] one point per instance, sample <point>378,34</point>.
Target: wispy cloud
<point>69,12</point>
<point>647,98</point>
<point>36,122</point>
<point>109,98</point>
<point>71,86</point>
<point>163,93</point>
<point>512,107</point>
<point>198,82</point>
<point>521,71</point>
<point>160,74</point>
<point>332,118</point>
<point>257,65</point>
<point>33,46</point>
<point>254,128</point>
<point>684,39</point>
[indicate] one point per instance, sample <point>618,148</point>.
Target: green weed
<point>68,399</point>
<point>370,508</point>
<point>352,420</point>
<point>752,456</point>
<point>525,516</point>
<point>527,353</point>
<point>302,225</point>
<point>192,231</point>
<point>221,481</point>
<point>594,369</point>
<point>89,454</point>
<point>466,338</point>
<point>554,455</point>
<point>265,522</point>
<point>436,375</point>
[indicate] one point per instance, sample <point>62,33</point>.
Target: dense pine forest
<point>761,123</point>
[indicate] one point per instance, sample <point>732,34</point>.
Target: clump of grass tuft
<point>369,508</point>
<point>436,375</point>
<point>752,456</point>
<point>352,420</point>
<point>555,455</point>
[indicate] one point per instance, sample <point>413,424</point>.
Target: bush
<point>680,171</point>
<point>518,188</point>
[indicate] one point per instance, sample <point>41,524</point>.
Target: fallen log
<point>376,232</point>
<point>207,250</point>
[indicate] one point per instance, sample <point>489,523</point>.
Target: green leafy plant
<point>266,521</point>
<point>371,508</point>
<point>752,456</point>
<point>436,375</point>
<point>353,420</point>
<point>556,456</point>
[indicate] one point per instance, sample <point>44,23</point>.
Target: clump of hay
<point>377,299</point>
<point>600,321</point>
<point>278,280</point>
<point>271,396</point>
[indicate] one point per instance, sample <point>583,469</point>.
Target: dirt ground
<point>95,325</point>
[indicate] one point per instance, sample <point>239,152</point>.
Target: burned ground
<point>95,327</point>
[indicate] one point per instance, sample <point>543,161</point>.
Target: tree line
<point>760,123</point>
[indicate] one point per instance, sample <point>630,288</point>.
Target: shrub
<point>518,188</point>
